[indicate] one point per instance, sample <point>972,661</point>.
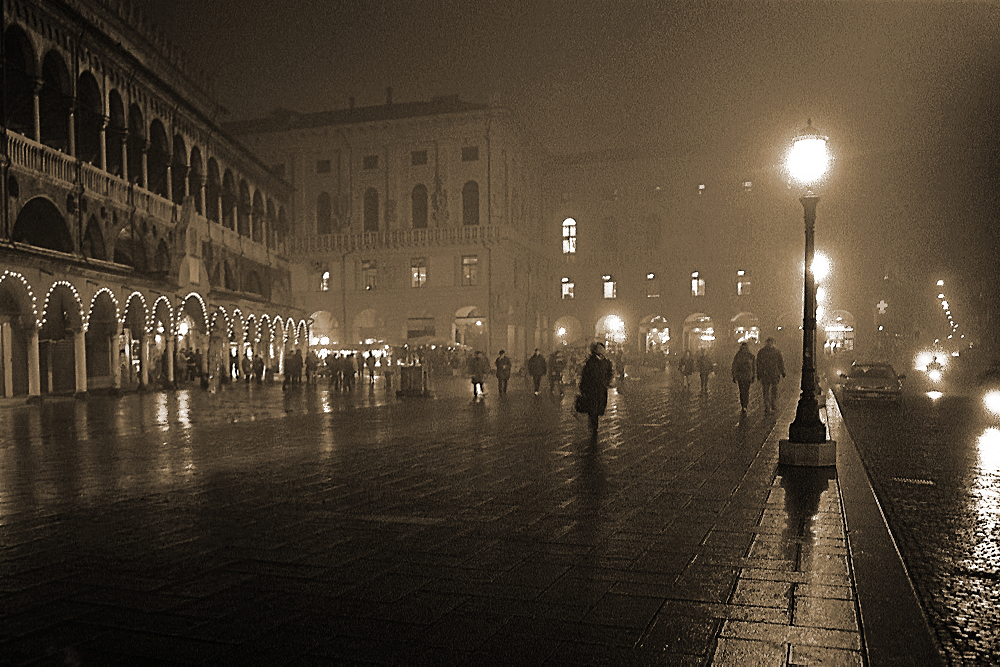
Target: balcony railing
<point>59,166</point>
<point>399,238</point>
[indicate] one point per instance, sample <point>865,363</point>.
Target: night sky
<point>909,92</point>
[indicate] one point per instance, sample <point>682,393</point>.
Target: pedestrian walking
<point>536,369</point>
<point>246,367</point>
<point>503,372</point>
<point>478,370</point>
<point>556,366</point>
<point>705,367</point>
<point>744,371</point>
<point>686,367</point>
<point>312,365</point>
<point>770,370</point>
<point>350,371</point>
<point>258,368</point>
<point>595,378</point>
<point>370,365</point>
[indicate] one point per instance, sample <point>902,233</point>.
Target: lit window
<point>569,236</point>
<point>747,186</point>
<point>567,288</point>
<point>470,270</point>
<point>418,272</point>
<point>652,286</point>
<point>324,282</point>
<point>742,283</point>
<point>610,290</point>
<point>697,284</point>
<point>701,188</point>
<point>369,274</point>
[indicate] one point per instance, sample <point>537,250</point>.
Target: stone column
<point>144,359</point>
<point>170,361</point>
<point>7,352</point>
<point>34,374</point>
<point>80,361</point>
<point>103,154</point>
<point>37,109</point>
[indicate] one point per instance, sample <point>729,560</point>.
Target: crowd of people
<point>592,370</point>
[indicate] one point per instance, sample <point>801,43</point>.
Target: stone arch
<point>89,118</point>
<point>54,102</point>
<point>196,172</point>
<point>654,331</point>
<point>469,327</point>
<point>244,206</point>
<point>40,223</point>
<point>258,217</point>
<point>135,145</point>
<point>18,322</point>
<point>114,138</point>
<point>228,196</point>
<point>745,328</point>
<point>21,73</point>
<point>62,317</point>
<point>133,340</point>
<point>179,170</point>
<point>698,333</point>
<point>157,158</point>
<point>213,191</point>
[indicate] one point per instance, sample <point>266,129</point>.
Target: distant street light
<point>807,444</point>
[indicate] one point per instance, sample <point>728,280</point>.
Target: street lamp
<point>807,443</point>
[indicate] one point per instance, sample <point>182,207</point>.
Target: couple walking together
<point>768,366</point>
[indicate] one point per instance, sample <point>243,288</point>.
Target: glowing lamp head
<point>808,160</point>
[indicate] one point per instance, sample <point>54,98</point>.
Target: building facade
<point>134,231</point>
<point>414,224</point>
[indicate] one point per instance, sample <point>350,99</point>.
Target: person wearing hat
<point>744,371</point>
<point>770,370</point>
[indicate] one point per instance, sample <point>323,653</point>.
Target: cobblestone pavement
<point>255,526</point>
<point>935,465</point>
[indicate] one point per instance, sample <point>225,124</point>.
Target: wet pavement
<point>935,466</point>
<point>256,526</point>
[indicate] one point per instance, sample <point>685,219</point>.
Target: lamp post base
<point>807,454</point>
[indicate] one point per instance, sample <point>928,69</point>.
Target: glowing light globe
<point>809,159</point>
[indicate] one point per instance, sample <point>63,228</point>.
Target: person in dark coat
<point>744,371</point>
<point>770,370</point>
<point>478,369</point>
<point>686,367</point>
<point>595,378</point>
<point>536,369</point>
<point>503,372</point>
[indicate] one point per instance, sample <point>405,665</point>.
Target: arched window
<point>569,236</point>
<point>371,210</point>
<point>419,206</point>
<point>470,203</point>
<point>324,216</point>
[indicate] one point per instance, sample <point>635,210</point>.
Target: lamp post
<point>807,443</point>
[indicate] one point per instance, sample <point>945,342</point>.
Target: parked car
<point>872,382</point>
